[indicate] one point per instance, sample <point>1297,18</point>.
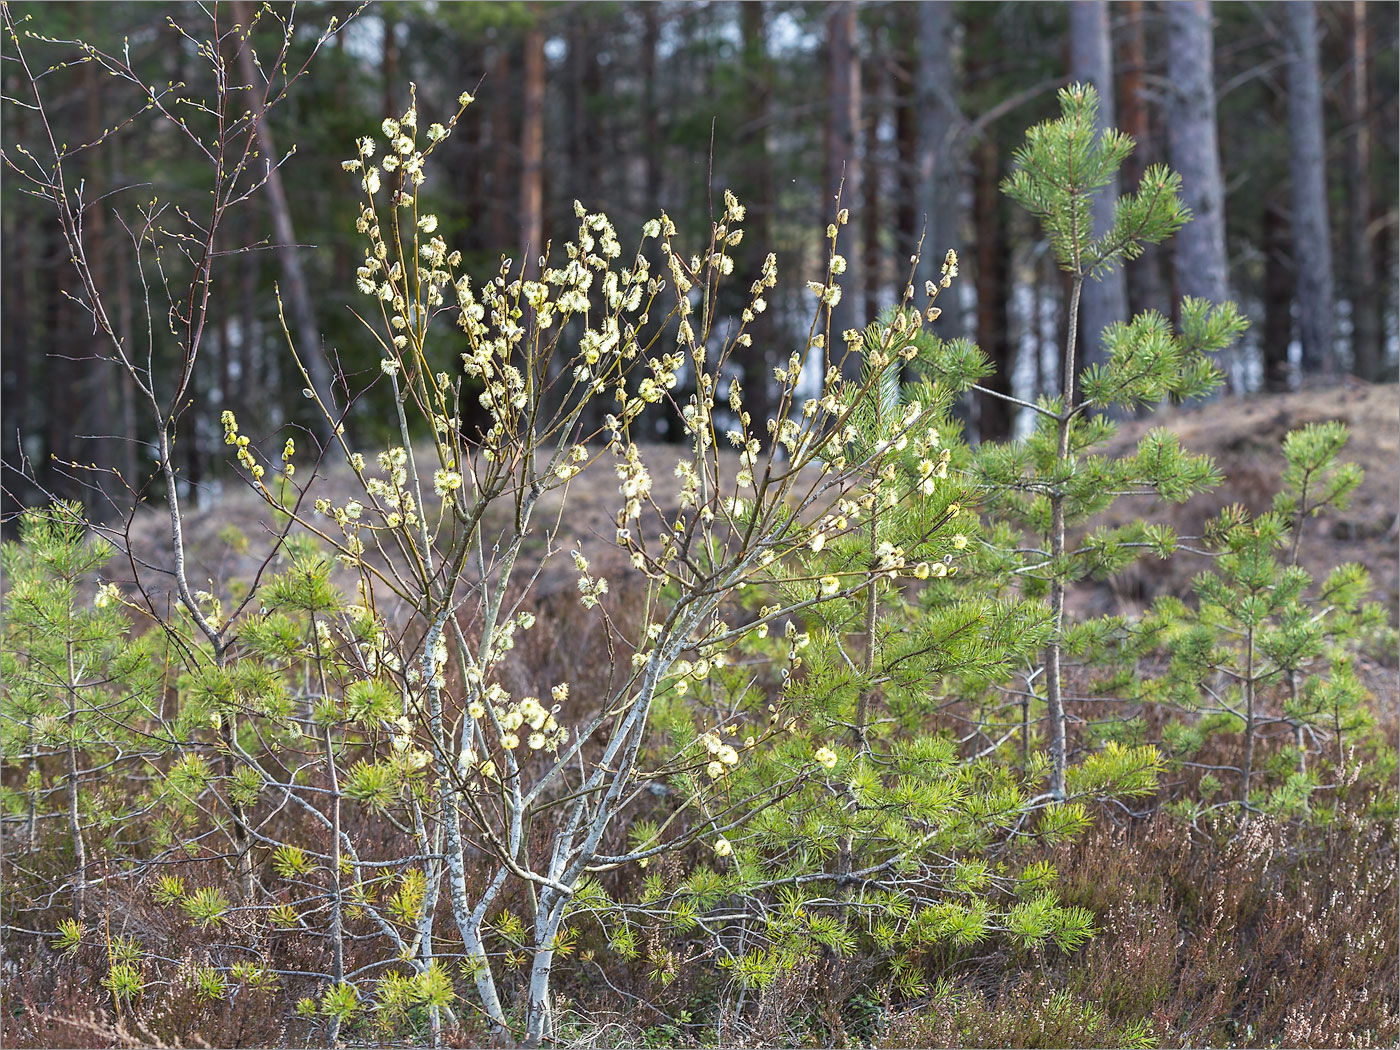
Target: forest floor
<point>1243,436</point>
<point>1278,932</point>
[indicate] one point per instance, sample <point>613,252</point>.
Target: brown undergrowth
<point>1211,932</point>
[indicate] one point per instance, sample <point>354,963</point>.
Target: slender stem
<point>1053,675</point>
<point>75,827</point>
<point>337,928</point>
<point>242,841</point>
<point>1247,764</point>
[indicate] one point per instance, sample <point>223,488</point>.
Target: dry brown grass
<point>1245,437</point>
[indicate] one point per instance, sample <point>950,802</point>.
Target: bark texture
<point>843,167</point>
<point>940,157</point>
<point>993,272</point>
<point>1366,348</point>
<point>1194,150</point>
<point>532,153</point>
<point>1091,62</point>
<point>1312,231</point>
<point>1142,282</point>
<point>759,200</point>
<point>298,294</point>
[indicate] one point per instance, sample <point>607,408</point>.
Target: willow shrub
<point>354,745</point>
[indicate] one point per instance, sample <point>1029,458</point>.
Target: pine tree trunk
<point>1312,230</point>
<point>59,376</point>
<point>503,237</point>
<point>99,414</point>
<point>1366,346</point>
<point>1250,688</point>
<point>1091,62</point>
<point>389,59</point>
<point>75,825</point>
<point>130,462</point>
<point>21,286</point>
<point>1142,282</point>
<point>906,215</point>
<point>1278,296</point>
<point>1194,152</point>
<point>758,239</point>
<point>871,219</point>
<point>584,138</point>
<point>843,167</point>
<point>531,244</point>
<point>940,154</point>
<point>1383,260</point>
<point>298,296</point>
<point>337,935</point>
<point>993,272</point>
<point>258,370</point>
<point>1054,673</point>
<point>651,120</point>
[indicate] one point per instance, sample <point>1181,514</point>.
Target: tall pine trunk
<point>758,239</point>
<point>651,111</point>
<point>871,219</point>
<point>940,153</point>
<point>843,168</point>
<point>531,242</point>
<point>1366,347</point>
<point>1142,282</point>
<point>298,295</point>
<point>99,416</point>
<point>1104,300</point>
<point>993,272</point>
<point>503,237</point>
<point>389,59</point>
<point>1194,151</point>
<point>1278,295</point>
<point>1312,230</point>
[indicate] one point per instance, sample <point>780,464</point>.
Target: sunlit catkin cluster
<point>643,337</point>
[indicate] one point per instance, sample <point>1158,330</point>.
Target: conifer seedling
<point>1037,491</point>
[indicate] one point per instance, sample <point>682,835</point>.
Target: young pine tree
<point>1266,647</point>
<point>76,688</point>
<point>896,826</point>
<point>1037,491</point>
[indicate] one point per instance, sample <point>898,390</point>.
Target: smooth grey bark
<point>1312,231</point>
<point>1366,344</point>
<point>940,153</point>
<point>532,153</point>
<point>1105,299</point>
<point>1194,152</point>
<point>843,168</point>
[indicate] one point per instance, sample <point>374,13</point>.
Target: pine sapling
<point>1056,479</point>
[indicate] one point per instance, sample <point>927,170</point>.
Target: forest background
<point>1281,119</point>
